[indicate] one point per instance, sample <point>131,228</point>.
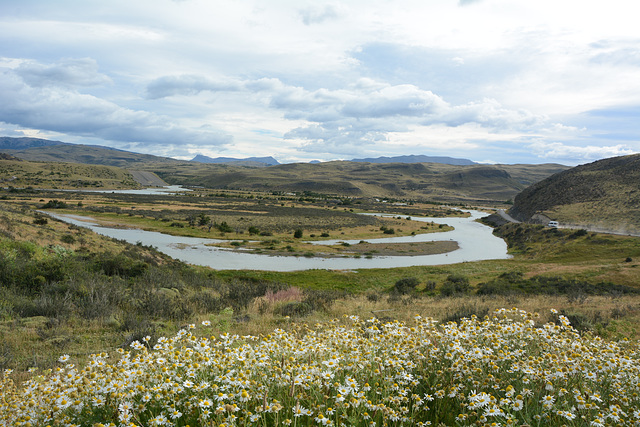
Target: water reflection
<point>476,243</point>
<point>162,191</point>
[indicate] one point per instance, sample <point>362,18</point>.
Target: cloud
<point>360,114</point>
<point>57,107</point>
<point>187,85</point>
<point>318,15</point>
<point>557,150</point>
<point>68,72</point>
<point>467,2</point>
<point>609,52</point>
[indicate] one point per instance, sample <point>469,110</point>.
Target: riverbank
<point>475,242</point>
<point>361,249</point>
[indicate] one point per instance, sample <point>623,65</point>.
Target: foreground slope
<point>600,195</point>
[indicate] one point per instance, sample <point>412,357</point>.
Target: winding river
<point>475,240</point>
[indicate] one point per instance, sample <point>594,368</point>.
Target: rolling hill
<point>18,173</point>
<point>41,150</point>
<point>401,179</point>
<point>603,195</point>
<point>10,143</point>
<point>440,182</point>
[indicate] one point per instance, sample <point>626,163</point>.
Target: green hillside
<point>600,195</point>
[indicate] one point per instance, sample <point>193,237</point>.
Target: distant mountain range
<point>38,149</point>
<point>260,161</point>
<point>270,161</point>
<point>418,159</point>
<point>9,143</point>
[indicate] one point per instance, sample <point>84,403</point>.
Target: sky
<point>493,81</point>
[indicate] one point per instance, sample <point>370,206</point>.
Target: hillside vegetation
<point>600,195</point>
<point>421,181</point>
<point>430,181</point>
<point>20,174</point>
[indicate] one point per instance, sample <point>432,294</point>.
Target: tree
<point>298,233</point>
<point>203,219</point>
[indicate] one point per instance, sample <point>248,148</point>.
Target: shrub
<point>119,265</point>
<point>54,204</point>
<point>203,219</point>
<point>430,285</point>
<point>298,233</point>
<point>68,238</point>
<point>223,227</point>
<point>455,285</point>
<point>40,220</point>
<point>406,285</point>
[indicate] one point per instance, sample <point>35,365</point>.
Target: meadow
<point>96,331</point>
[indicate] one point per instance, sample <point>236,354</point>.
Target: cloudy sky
<point>500,81</point>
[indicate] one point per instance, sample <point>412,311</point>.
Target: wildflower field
<point>505,369</point>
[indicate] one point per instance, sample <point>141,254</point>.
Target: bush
<point>298,233</point>
<point>68,238</point>
<point>406,285</point>
<point>120,265</point>
<point>54,204</point>
<point>40,220</point>
<point>203,219</point>
<point>455,285</point>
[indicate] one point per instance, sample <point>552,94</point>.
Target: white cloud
<point>58,108</point>
<point>68,72</point>
<point>187,85</point>
<point>317,15</point>
<point>329,77</point>
<point>578,154</point>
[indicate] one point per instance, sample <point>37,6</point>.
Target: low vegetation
<point>21,174</point>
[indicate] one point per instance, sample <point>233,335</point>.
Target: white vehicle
<point>553,224</point>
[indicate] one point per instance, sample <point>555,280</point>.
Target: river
<point>475,240</point>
